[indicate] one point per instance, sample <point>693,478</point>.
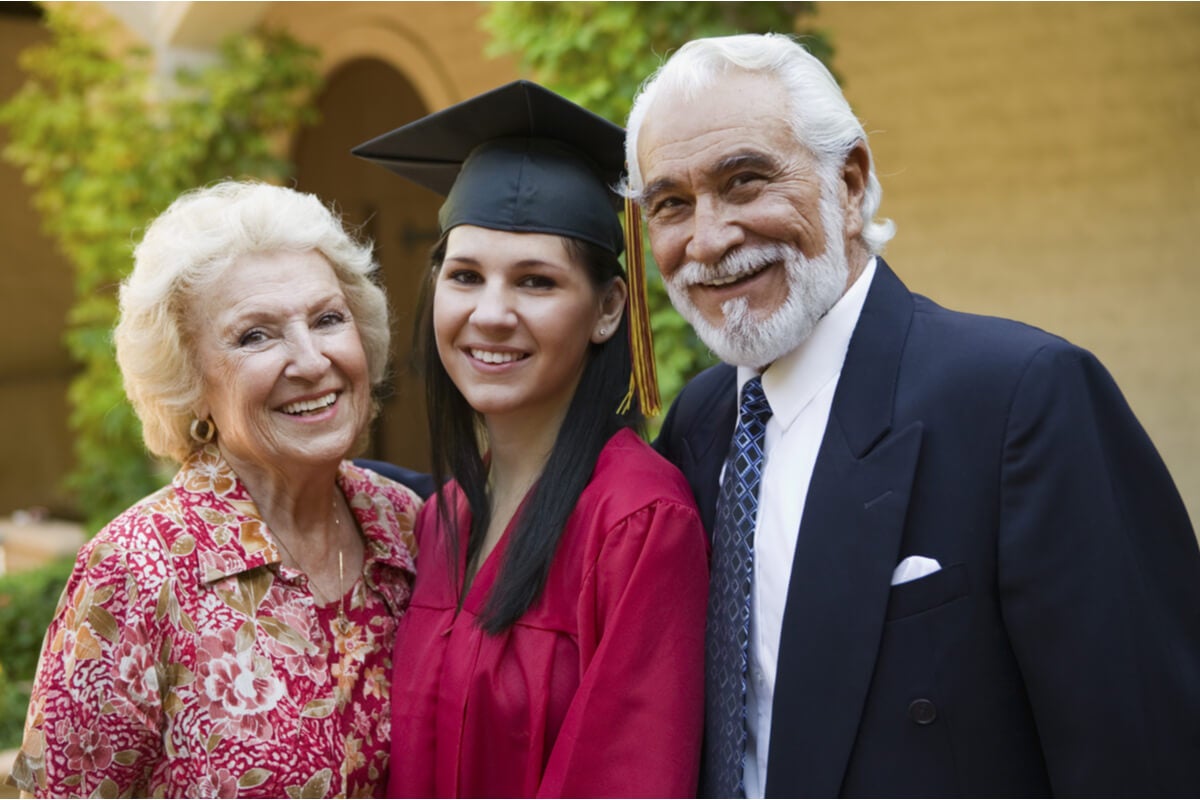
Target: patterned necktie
<point>728,634</point>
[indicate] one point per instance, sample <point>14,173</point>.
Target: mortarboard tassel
<point>643,379</point>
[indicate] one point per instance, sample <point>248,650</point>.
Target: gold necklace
<point>317,593</point>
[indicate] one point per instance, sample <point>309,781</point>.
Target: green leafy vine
<point>106,143</point>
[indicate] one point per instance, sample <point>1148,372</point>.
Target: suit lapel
<point>707,441</point>
<point>848,545</point>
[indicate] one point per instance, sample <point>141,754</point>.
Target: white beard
<point>814,286</point>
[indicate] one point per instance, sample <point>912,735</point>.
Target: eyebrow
<point>246,314</point>
<point>524,263</point>
<point>660,186</point>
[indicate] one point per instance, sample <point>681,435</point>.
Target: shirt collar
<point>792,381</point>
<point>386,521</point>
<point>381,518</point>
<point>231,537</point>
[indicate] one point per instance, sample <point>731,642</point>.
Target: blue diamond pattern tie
<point>728,634</point>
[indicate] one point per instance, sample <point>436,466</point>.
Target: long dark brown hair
<point>591,420</point>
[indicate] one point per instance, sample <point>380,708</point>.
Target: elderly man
<point>947,560</point>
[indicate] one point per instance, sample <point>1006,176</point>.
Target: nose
<point>494,308</point>
<point>715,232</point>
<point>307,358</point>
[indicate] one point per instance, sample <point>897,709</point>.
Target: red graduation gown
<point>598,689</point>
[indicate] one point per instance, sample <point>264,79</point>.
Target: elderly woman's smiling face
<point>285,376</point>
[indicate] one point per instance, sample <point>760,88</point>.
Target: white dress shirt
<point>800,388</point>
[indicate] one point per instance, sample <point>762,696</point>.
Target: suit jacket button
<point>922,711</point>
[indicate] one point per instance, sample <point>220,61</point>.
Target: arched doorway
<point>361,99</point>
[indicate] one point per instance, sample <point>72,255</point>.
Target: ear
<point>854,185</point>
<point>612,307</point>
<point>202,409</point>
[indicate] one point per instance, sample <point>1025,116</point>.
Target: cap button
<point>922,711</point>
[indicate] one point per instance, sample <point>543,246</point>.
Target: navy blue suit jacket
<point>1058,649</point>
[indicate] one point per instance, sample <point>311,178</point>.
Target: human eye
<point>746,181</point>
<point>665,207</point>
<point>331,319</point>
<point>252,337</point>
<point>466,277</point>
<point>664,201</point>
<point>657,196</point>
<point>537,281</point>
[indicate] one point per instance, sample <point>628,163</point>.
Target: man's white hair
<point>820,116</point>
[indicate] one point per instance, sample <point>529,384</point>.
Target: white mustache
<point>738,264</point>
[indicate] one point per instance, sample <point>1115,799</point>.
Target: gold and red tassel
<point>643,378</point>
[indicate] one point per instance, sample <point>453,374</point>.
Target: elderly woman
<point>232,633</point>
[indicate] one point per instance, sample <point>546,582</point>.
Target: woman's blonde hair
<point>184,250</point>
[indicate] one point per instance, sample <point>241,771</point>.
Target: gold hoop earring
<point>210,430</point>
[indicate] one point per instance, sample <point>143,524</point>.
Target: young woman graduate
<point>554,645</point>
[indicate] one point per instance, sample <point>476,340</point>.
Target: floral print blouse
<point>186,661</point>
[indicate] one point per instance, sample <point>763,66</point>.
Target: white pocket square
<point>914,567</point>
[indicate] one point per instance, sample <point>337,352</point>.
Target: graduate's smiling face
<point>513,316</point>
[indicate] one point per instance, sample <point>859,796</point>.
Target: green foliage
<point>14,700</point>
<point>27,604</point>
<point>107,143</point>
<point>597,54</point>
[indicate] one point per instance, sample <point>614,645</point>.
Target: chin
<point>327,451</point>
<point>748,337</point>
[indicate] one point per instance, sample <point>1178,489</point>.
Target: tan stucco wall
<point>1040,162</point>
<point>35,284</point>
<point>438,46</point>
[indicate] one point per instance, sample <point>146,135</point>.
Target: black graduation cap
<point>517,158</point>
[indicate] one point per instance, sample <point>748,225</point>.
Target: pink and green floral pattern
<point>186,661</point>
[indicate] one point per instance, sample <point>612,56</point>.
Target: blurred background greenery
<point>27,603</point>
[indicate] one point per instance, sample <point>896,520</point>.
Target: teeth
<point>725,280</point>
<point>310,405</point>
<point>489,357</point>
